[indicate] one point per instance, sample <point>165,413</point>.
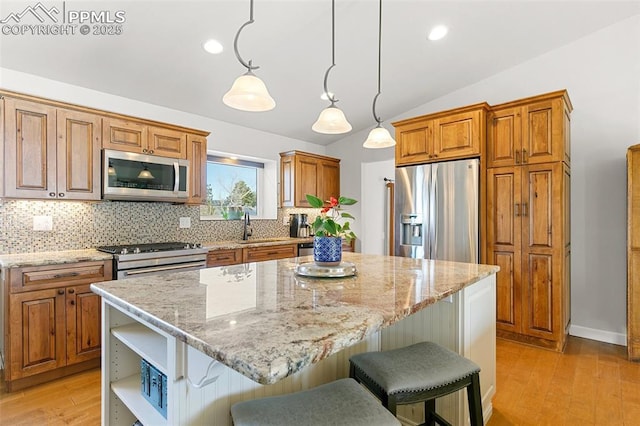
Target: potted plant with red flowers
<point>329,228</point>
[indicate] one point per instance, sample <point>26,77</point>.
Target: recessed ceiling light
<point>324,96</point>
<point>213,46</point>
<point>438,32</point>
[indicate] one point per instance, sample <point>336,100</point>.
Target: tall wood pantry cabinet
<point>528,217</point>
<point>633,253</point>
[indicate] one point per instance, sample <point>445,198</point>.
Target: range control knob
<point>124,251</point>
<point>136,250</point>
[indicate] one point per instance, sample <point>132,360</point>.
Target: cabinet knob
<point>52,194</point>
<point>61,194</point>
<point>72,302</point>
<point>61,292</point>
<point>144,150</point>
<point>71,291</point>
<point>150,151</point>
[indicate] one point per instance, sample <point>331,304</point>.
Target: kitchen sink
<point>264,240</point>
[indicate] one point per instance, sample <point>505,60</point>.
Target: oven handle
<point>176,173</point>
<point>165,268</point>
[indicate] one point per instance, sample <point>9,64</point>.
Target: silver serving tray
<point>311,269</point>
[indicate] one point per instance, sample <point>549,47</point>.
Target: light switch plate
<point>42,223</point>
<point>185,222</point>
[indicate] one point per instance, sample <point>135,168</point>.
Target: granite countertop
<point>254,242</point>
<point>267,323</point>
<point>51,258</point>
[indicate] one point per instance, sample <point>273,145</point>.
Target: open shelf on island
<point>128,390</point>
<point>147,343</point>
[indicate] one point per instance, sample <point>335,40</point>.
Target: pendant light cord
<point>248,65</point>
<point>375,99</point>
<point>333,52</point>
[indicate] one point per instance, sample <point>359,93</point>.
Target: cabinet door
<point>258,254</point>
<point>30,149</point>
<point>224,257</point>
<point>542,250</point>
<point>329,179</point>
<point>414,144</point>
<point>287,181</point>
<point>36,333</point>
<point>457,135</point>
<point>543,137</point>
<point>197,156</point>
<point>83,324</point>
<point>504,137</point>
<point>306,180</point>
<point>167,143</point>
<point>79,141</point>
<point>124,135</point>
<point>504,209</point>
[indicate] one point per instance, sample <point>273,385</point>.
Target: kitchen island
<point>226,334</point>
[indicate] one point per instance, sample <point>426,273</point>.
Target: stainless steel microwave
<point>140,177</point>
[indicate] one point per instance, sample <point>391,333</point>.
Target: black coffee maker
<point>298,226</point>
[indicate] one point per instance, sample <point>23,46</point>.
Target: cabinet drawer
<point>224,257</point>
<point>52,276</point>
<point>257,254</point>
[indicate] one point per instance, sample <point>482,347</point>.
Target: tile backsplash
<point>80,225</point>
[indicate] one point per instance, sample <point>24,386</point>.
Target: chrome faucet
<point>248,230</point>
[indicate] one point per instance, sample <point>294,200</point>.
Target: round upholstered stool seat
<point>420,372</point>
<point>343,402</point>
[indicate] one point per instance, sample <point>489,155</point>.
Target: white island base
<point>201,390</point>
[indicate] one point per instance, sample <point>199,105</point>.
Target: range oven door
<point>139,177</point>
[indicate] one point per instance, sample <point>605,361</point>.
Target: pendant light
<point>248,92</point>
<point>379,137</point>
<point>111,170</point>
<point>331,120</point>
<point>145,174</point>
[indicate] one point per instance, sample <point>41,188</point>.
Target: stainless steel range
<point>144,259</point>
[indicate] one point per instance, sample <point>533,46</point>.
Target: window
<point>236,186</point>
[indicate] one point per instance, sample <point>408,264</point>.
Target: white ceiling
<point>159,57</point>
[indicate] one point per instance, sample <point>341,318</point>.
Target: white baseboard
<point>599,335</point>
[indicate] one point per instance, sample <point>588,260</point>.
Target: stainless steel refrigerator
<point>436,211</point>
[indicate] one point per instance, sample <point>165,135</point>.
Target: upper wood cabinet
<point>50,152</point>
<point>445,135</point>
<point>303,173</point>
<point>530,131</point>
<point>133,136</point>
<point>197,156</point>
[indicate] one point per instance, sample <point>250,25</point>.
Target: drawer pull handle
<point>71,291</point>
<point>67,275</point>
<point>60,292</point>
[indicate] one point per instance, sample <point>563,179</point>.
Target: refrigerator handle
<point>433,222</point>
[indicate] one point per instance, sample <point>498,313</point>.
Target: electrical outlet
<point>185,222</point>
<point>42,223</point>
<point>285,221</point>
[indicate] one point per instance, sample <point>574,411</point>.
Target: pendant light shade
<point>331,120</point>
<point>111,170</point>
<point>248,92</point>
<point>379,137</point>
<point>145,174</point>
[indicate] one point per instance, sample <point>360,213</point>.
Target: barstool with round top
<point>343,402</point>
<point>416,373</point>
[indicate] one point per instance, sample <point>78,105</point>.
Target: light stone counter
<point>51,258</point>
<point>265,322</point>
<point>254,242</point>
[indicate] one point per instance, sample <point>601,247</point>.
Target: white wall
<point>224,136</point>
<point>602,75</point>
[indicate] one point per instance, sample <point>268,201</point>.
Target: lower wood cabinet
<point>53,326</point>
<point>258,254</point>
<point>224,257</point>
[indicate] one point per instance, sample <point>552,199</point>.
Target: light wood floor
<point>591,383</point>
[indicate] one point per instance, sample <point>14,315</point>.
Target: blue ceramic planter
<point>327,251</point>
